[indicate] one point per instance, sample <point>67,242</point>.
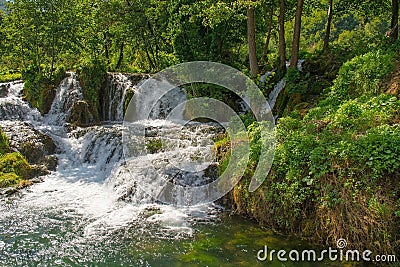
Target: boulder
<point>4,88</point>
<point>80,114</point>
<point>37,147</point>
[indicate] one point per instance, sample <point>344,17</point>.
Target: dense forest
<point>337,167</point>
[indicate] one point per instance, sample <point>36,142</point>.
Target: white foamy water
<point>93,194</point>
<point>273,96</point>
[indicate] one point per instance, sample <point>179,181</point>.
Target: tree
<point>296,34</point>
<point>328,26</point>
<point>251,38</point>
<point>394,25</point>
<point>268,37</point>
<point>282,43</point>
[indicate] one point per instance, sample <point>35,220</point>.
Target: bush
<point>363,75</point>
<point>343,153</point>
<point>9,77</point>
<point>4,144</point>
<point>92,76</point>
<point>39,88</point>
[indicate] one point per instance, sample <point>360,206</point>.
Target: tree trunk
<point>394,25</point>
<point>296,34</point>
<point>282,43</point>
<point>121,56</point>
<point>328,27</point>
<point>106,52</point>
<point>251,38</point>
<point>266,45</point>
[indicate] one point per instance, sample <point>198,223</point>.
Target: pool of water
<point>157,235</point>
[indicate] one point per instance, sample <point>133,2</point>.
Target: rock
<point>212,171</point>
<point>80,114</point>
<point>8,191</point>
<point>50,162</point>
<point>48,96</point>
<point>38,170</point>
<point>4,89</point>
<point>33,144</point>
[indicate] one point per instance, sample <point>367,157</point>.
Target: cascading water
<point>92,193</point>
<point>12,107</point>
<point>68,92</point>
<point>273,96</point>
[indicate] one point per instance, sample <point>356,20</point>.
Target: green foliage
<point>39,83</point>
<point>154,145</point>
<point>92,75</point>
<point>344,152</point>
<point>9,76</point>
<point>4,144</point>
<point>364,74</point>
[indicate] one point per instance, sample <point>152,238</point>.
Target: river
<point>91,211</point>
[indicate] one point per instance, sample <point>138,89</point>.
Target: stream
<point>91,211</point>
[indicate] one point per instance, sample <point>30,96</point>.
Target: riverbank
<point>336,168</point>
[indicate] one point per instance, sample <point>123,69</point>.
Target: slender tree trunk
<point>268,38</point>
<point>251,38</point>
<point>53,41</point>
<point>282,43</point>
<point>106,52</point>
<point>296,34</point>
<point>394,25</point>
<point>328,26</point>
<point>121,56</point>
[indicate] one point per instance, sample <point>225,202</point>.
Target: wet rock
<point>48,96</point>
<point>37,171</point>
<point>80,114</point>
<point>212,171</point>
<point>33,144</point>
<point>50,162</point>
<point>4,89</point>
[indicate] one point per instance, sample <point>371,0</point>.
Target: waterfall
<point>113,103</point>
<point>12,107</point>
<point>273,96</point>
<point>93,182</point>
<point>68,92</point>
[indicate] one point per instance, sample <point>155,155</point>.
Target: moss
<point>154,145</point>
<point>93,77</point>
<point>4,145</point>
<point>128,96</point>
<point>9,179</point>
<point>10,77</point>
<point>39,88</point>
<point>15,163</point>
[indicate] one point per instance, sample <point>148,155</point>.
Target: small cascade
<point>273,96</point>
<point>185,156</point>
<point>68,92</point>
<point>102,146</point>
<point>113,103</point>
<point>154,104</point>
<point>12,107</point>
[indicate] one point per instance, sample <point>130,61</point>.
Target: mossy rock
<point>4,88</point>
<point>4,145</point>
<point>47,95</point>
<point>80,114</point>
<point>9,179</point>
<point>14,168</point>
<point>128,97</point>
<point>31,143</point>
<point>15,163</point>
<point>154,145</point>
